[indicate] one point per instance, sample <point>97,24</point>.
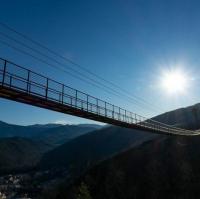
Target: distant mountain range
<point>62,134</point>
<point>11,130</point>
<point>22,147</point>
<point>52,134</point>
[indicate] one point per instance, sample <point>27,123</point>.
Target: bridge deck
<point>22,85</point>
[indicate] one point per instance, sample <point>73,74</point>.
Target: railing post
<point>97,106</point>
<point>119,117</point>
<point>76,98</point>
<point>113,111</point>
<point>4,72</point>
<point>63,91</point>
<point>47,86</point>
<point>28,82</point>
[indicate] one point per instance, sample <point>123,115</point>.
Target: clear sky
<point>130,43</point>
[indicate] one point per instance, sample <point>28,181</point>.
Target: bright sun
<point>174,82</point>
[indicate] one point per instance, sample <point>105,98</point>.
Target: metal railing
<point>13,76</point>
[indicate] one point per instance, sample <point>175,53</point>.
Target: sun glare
<point>174,82</point>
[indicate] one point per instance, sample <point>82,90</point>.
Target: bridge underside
<point>19,96</point>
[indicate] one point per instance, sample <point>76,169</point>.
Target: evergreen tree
<point>83,192</point>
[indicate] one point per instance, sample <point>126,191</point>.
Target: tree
<point>83,192</point>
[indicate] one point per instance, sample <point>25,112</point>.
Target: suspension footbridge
<point>20,84</point>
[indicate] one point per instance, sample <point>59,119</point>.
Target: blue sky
<point>127,42</point>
